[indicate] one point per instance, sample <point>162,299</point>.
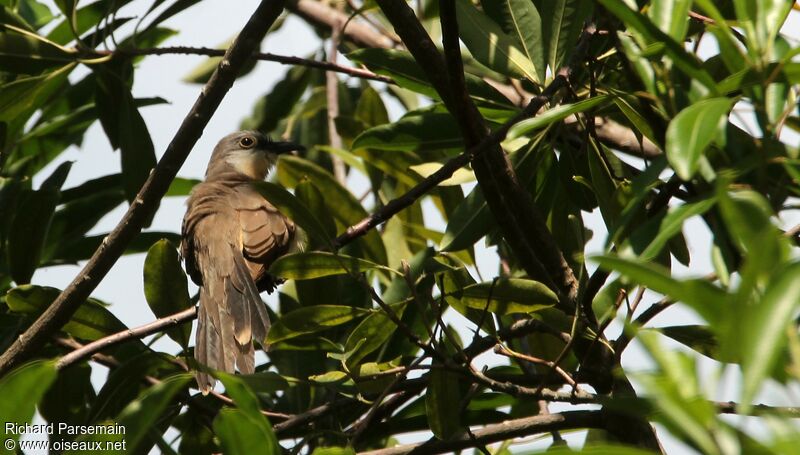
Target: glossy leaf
<point>28,233</point>
<point>442,400</point>
<point>692,131</point>
<point>28,53</point>
<point>508,296</point>
<point>403,69</point>
<point>369,335</point>
<point>23,388</point>
<point>316,264</point>
<point>124,126</point>
<point>349,211</point>
<point>138,417</point>
<point>18,99</point>
<point>416,131</point>
<point>556,115</point>
<point>564,20</point>
<point>311,319</point>
<point>246,428</point>
<point>521,20</point>
<point>688,63</point>
<point>649,239</point>
<point>767,324</point>
<point>708,300</point>
<point>90,322</point>
<point>490,45</point>
<point>165,286</point>
<point>279,101</point>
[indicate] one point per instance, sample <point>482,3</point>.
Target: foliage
<point>649,132</point>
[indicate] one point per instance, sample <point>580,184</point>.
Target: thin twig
<point>500,432</point>
<point>503,350</point>
<point>96,346</point>
<point>263,56</point>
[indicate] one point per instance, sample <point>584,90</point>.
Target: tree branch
<point>96,346</point>
<point>264,56</point>
<point>154,188</point>
<point>319,13</point>
<point>500,432</point>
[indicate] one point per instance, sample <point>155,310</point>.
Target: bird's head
<point>250,153</point>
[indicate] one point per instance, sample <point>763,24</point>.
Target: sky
<point>211,23</point>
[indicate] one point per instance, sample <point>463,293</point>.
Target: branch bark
<point>143,206</point>
<point>156,326</point>
<point>500,432</point>
<point>521,224</point>
<point>265,56</point>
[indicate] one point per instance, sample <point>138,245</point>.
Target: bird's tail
<point>231,315</point>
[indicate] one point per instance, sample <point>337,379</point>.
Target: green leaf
<point>766,329</point>
<point>490,45</point>
<point>521,20</point>
<point>468,222</point>
<point>84,248</point>
<point>687,62</point>
<point>556,115</point>
<point>28,233</point>
<point>459,177</point>
<point>240,435</point>
<point>85,18</point>
<point>508,296</point>
<point>295,210</point>
<point>124,125</point>
<point>181,186</point>
<point>18,99</point>
<point>311,319</point>
<point>442,403</point>
<point>90,322</point>
<point>333,451</point>
<point>401,66</point>
<point>692,131</point>
<point>671,16</point>
<point>138,417</point>
<point>563,24</point>
<point>278,103</point>
<point>370,109</point>
<point>418,131</point>
<point>316,264</point>
<point>165,287</point>
<point>28,53</point>
<point>707,300</point>
<point>700,338</point>
<point>22,389</point>
<point>375,330</point>
<point>349,211</point>
<point>244,430</point>
<point>648,240</point>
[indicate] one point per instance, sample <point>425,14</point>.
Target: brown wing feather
<point>266,235</point>
<point>230,237</point>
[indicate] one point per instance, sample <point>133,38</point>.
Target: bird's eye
<point>247,142</point>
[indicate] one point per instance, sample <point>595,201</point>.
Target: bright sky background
<point>209,24</point>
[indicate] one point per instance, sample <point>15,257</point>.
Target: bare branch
<point>264,56</point>
<point>501,432</point>
<point>143,206</point>
<point>96,346</point>
<point>319,13</point>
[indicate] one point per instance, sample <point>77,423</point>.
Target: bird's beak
<point>280,148</point>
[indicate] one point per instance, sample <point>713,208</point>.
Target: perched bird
<point>231,235</point>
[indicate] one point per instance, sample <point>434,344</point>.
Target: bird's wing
<point>231,311</point>
<point>266,233</point>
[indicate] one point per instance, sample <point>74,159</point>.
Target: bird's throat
<point>252,164</point>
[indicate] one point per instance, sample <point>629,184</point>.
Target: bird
<point>230,236</point>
